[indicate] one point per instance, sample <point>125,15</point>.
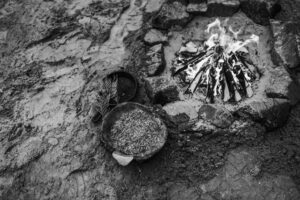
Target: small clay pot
<point>133,130</point>
<point>127,85</point>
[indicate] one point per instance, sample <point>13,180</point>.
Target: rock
<point>28,151</point>
<point>167,95</point>
<point>189,47</point>
<point>183,113</point>
<point>255,169</point>
<point>216,115</point>
<point>181,118</point>
<point>57,105</point>
<point>222,7</point>
<point>155,60</point>
<point>289,10</point>
<point>197,7</point>
<point>93,27</point>
<point>260,11</point>
<point>272,113</point>
<point>122,159</point>
<point>172,14</point>
<point>161,90</point>
<point>154,5</point>
<point>286,43</point>
<point>99,17</point>
<point>203,127</point>
<point>280,82</point>
<point>154,36</point>
<point>53,141</point>
<point>3,35</point>
<point>188,107</point>
<point>73,47</point>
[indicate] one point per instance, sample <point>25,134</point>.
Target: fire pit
<point>220,66</point>
<point>132,131</point>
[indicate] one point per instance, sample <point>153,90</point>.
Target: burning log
<point>220,65</point>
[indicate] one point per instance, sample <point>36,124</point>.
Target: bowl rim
<point>131,77</point>
<point>139,156</point>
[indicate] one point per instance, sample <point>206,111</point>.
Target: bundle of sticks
<point>221,66</point>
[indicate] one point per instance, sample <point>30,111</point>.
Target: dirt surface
<point>53,56</point>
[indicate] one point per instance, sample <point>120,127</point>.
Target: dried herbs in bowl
<point>131,129</point>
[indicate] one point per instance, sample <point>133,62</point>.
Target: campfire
<point>220,67</point>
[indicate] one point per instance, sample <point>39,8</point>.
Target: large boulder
<point>155,36</point>
<point>216,115</point>
<point>197,7</point>
<point>272,113</point>
<point>188,107</point>
<point>260,11</point>
<point>286,43</point>
<point>222,7</point>
<point>282,86</point>
<point>161,90</point>
<point>172,14</point>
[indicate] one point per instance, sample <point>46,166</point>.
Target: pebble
<point>53,141</point>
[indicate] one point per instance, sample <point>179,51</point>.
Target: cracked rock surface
<point>53,57</point>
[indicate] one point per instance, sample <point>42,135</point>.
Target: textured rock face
<point>196,7</point>
<point>216,115</point>
<point>213,7</point>
<point>287,43</point>
<point>46,138</point>
<point>222,8</point>
<point>289,10</point>
<point>272,113</point>
<point>280,84</point>
<point>45,20</point>
<point>161,90</point>
<point>99,17</point>
<point>172,14</point>
<point>154,5</point>
<point>155,36</point>
<point>155,60</point>
<point>260,11</point>
<point>53,56</point>
<point>189,108</point>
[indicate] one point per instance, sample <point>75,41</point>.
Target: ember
<point>220,65</point>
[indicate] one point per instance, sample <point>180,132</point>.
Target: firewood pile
<point>220,67</point>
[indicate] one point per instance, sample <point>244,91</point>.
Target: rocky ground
<point>53,56</point>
